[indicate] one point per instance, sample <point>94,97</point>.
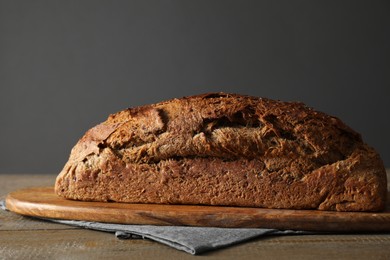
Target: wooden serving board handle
<point>43,202</point>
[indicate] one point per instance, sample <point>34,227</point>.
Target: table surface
<point>28,238</point>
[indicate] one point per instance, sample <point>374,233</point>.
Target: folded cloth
<point>193,240</point>
<point>2,205</point>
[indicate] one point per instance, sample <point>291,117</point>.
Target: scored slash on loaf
<point>226,149</point>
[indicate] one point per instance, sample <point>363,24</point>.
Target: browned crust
<point>226,149</point>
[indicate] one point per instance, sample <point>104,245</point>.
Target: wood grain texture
<point>16,222</point>
<point>43,202</point>
<point>27,238</point>
<point>87,244</point>
<point>11,182</point>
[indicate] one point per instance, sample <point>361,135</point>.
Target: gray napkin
<point>193,240</point>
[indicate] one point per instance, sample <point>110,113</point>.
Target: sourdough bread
<point>226,149</point>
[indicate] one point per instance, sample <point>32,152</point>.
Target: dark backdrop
<point>66,65</point>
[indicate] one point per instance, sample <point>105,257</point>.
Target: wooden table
<point>27,238</point>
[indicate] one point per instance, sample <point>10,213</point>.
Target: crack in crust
<point>294,148</point>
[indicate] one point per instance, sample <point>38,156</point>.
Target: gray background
<point>66,65</point>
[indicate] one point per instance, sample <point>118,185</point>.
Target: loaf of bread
<point>226,149</point>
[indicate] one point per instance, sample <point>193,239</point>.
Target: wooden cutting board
<point>43,202</point>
